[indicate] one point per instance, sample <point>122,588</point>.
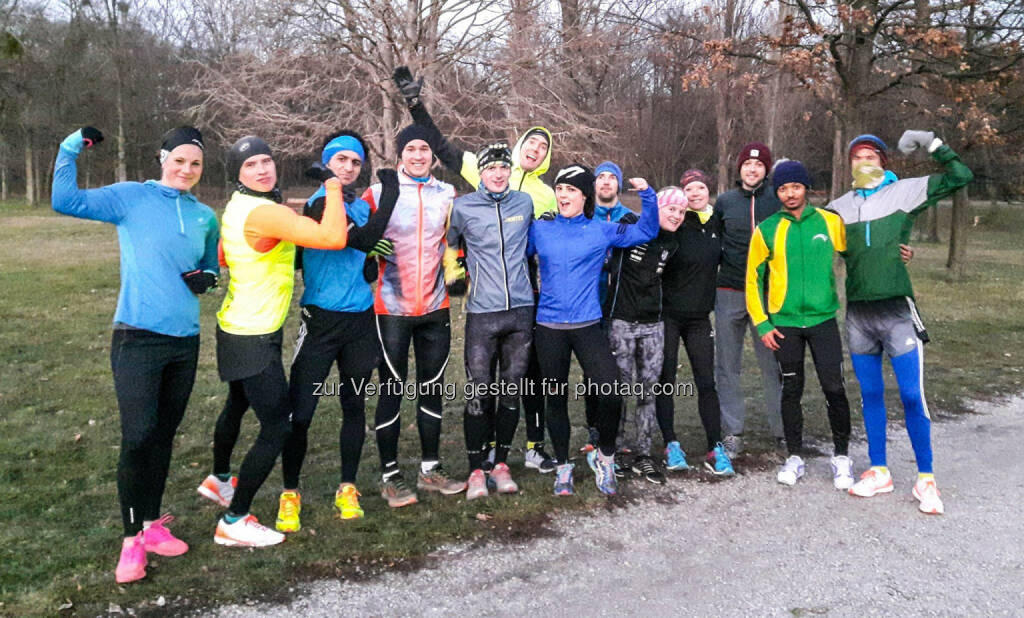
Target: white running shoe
<point>872,482</point>
<point>928,495</point>
<point>246,532</point>
<point>792,470</point>
<point>842,472</point>
<point>217,490</point>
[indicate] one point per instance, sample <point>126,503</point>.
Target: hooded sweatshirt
<point>464,163</point>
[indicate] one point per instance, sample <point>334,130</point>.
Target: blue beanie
<point>342,142</point>
<point>790,171</point>
<point>608,166</point>
<point>875,142</point>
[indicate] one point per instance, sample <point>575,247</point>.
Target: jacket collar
<point>809,212</point>
<point>887,180</point>
<point>170,191</point>
<point>758,190</point>
<point>406,179</point>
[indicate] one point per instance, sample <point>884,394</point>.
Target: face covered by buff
<point>867,175</point>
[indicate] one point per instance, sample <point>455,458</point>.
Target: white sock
<point>427,466</point>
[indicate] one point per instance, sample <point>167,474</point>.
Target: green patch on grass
<point>59,432</point>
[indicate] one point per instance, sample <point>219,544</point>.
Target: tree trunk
<point>957,261</point>
<point>839,162</point>
<point>122,166</point>
<point>723,125</point>
<point>931,223</point>
<point>30,177</point>
<point>775,86</point>
<point>3,183</point>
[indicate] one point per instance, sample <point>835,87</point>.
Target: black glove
<point>547,216</point>
<point>199,281</point>
<point>457,287</point>
<point>370,270</point>
<point>91,136</point>
<point>409,87</point>
<point>319,172</point>
<point>388,185</point>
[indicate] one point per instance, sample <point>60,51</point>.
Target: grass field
<point>59,522</point>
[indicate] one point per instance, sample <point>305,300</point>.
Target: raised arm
<point>366,237</point>
<point>101,204</point>
<point>455,159</point>
<point>955,176</point>
<point>279,221</point>
<point>646,228</point>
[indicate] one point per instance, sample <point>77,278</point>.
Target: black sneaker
<point>623,463</point>
<point>646,467</point>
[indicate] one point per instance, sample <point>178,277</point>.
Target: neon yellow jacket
<point>260,288</point>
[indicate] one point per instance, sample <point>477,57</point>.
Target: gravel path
<point>747,546</point>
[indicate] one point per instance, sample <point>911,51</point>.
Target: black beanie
<point>248,146</point>
<point>493,154</point>
<point>178,137</point>
<point>411,132</point>
<point>579,176</point>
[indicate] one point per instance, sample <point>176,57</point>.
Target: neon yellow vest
<point>260,288</point>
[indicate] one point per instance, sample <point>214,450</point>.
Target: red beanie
<point>755,150</point>
<point>694,175</point>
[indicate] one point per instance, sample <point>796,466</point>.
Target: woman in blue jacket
<point>168,257</point>
<point>571,248</point>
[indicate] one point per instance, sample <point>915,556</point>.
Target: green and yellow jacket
<point>797,254</point>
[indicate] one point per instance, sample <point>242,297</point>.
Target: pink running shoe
<point>503,479</point>
<point>132,565</point>
<point>159,540</point>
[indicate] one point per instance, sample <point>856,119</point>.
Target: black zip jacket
<point>738,213</point>
<point>634,294</point>
<point>688,284</point>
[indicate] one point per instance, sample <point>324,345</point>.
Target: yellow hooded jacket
<point>527,182</point>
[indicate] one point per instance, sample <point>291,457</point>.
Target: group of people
<point>546,273</point>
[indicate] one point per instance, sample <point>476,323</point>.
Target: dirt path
<point>748,546</point>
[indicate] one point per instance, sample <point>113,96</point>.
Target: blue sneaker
<point>563,479</point>
<point>675,458</point>
<point>718,462</point>
<point>604,472</point>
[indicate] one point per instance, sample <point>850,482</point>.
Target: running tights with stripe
<point>908,370</point>
<point>430,336</point>
<point>327,338</point>
<point>153,377</point>
<point>827,353</point>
